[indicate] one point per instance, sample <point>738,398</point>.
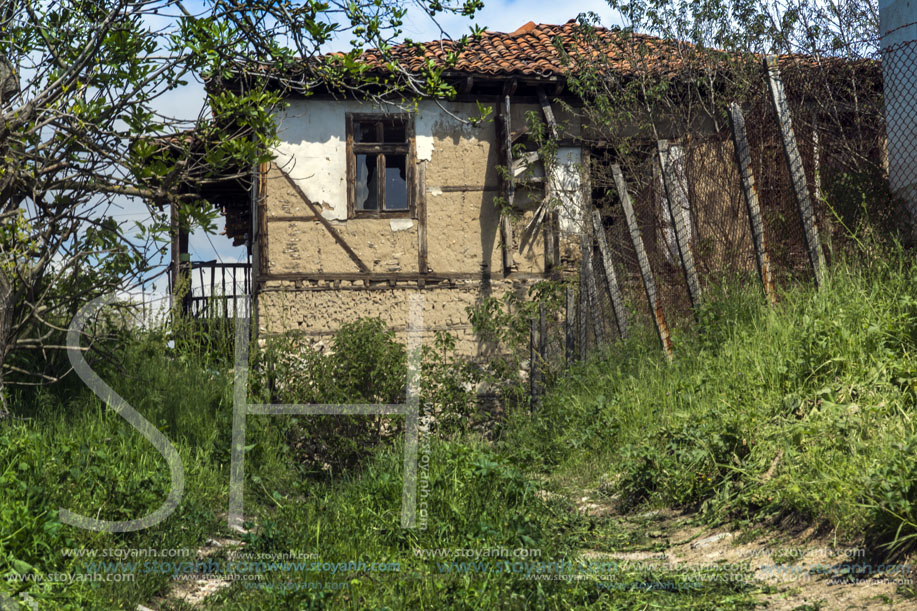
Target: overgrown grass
<point>806,408</point>
<point>73,452</point>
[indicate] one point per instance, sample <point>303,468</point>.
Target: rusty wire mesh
<point>837,114</point>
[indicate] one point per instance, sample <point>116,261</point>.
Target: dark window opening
<point>380,164</point>
<point>396,183</point>
<point>367,188</point>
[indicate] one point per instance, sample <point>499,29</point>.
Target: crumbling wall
<point>312,284</point>
<point>318,309</point>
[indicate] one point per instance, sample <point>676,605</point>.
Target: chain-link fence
<point>899,68</point>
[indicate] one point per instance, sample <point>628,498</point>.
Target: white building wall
<point>899,67</point>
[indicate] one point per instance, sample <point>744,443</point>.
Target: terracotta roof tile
<point>531,51</point>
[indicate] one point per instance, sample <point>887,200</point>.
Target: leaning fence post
<point>794,164</point>
<point>649,285</point>
<point>743,161</point>
<point>611,280</point>
<point>674,193</point>
<point>569,331</point>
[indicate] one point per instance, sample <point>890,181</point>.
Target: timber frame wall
<point>316,266</point>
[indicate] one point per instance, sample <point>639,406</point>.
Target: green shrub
<point>364,364</point>
<point>800,408</point>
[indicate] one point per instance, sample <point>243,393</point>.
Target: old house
<point>367,204</point>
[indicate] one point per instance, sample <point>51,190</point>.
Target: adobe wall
<point>457,174</point>
<point>459,182</point>
<point>318,310</point>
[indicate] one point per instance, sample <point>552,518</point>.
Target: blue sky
<point>497,16</point>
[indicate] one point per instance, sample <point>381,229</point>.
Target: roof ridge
<point>525,29</point>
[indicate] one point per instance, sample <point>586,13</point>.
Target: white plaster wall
<point>567,185</point>
<point>313,143</point>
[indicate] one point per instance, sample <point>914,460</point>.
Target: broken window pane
<point>394,132</point>
<point>365,131</point>
<point>367,187</point>
<point>396,185</point>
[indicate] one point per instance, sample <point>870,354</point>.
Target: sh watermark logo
<point>242,409</point>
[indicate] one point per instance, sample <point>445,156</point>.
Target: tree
<point>80,132</point>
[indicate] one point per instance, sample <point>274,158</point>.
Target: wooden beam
<point>431,277</point>
<point>582,329</point>
<point>674,194</point>
<point>794,164</point>
<point>504,125</point>
<point>292,219</point>
<point>554,240</point>
<point>611,279</point>
<point>321,219</point>
<point>465,188</point>
<point>175,254</point>
<point>533,363</point>
<point>743,162</point>
<point>181,262</point>
<point>646,273</point>
<point>519,133</point>
<point>421,211</point>
<point>521,164</point>
<point>509,87</point>
<point>548,114</point>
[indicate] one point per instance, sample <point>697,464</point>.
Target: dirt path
<point>793,567</point>
<point>187,593</point>
<point>796,568</point>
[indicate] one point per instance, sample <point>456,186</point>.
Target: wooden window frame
<point>408,149</point>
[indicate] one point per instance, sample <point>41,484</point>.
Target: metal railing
<point>215,290</point>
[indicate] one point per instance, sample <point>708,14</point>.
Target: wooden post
<point>504,138</point>
<point>533,364</point>
<point>548,114</point>
<point>592,293</point>
<point>569,327</point>
<point>743,161</point>
<point>420,205</point>
<point>555,239</point>
<point>181,261</point>
<point>794,164</point>
<point>649,285</point>
<point>674,194</point>
<point>611,279</point>
<point>542,344</point>
<point>582,330</point>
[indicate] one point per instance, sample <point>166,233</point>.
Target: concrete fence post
<point>646,273</point>
<point>797,171</point>
<point>743,162</point>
